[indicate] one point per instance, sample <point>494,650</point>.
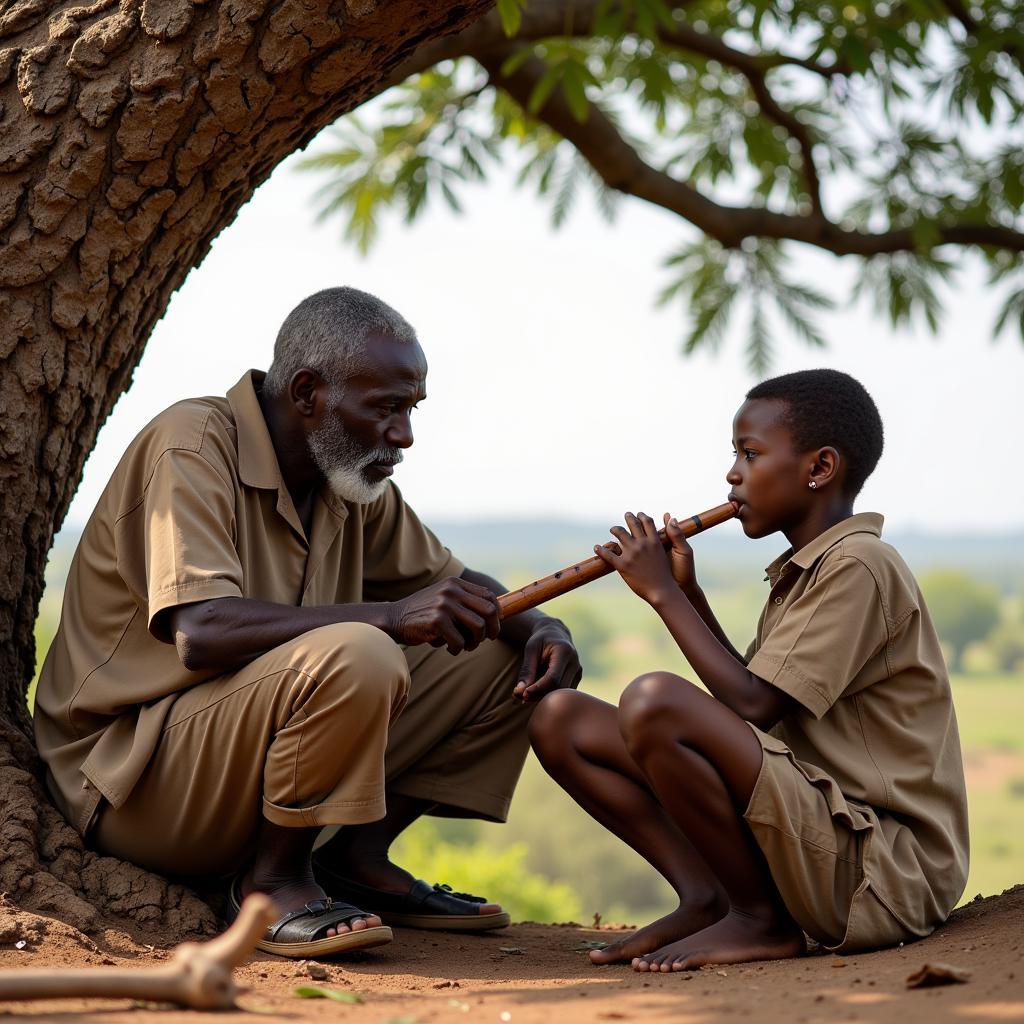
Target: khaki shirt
<point>846,633</point>
<point>196,509</point>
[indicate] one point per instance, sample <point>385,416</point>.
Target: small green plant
<point>499,874</point>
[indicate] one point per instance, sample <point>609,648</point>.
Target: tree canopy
<point>886,130</point>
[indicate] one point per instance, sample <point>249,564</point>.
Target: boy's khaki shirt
<point>195,510</point>
<point>846,633</point>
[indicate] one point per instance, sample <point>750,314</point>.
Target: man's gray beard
<point>343,463</point>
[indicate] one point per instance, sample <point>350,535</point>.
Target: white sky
<point>556,387</point>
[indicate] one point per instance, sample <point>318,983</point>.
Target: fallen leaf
<point>930,975</point>
<point>512,950</point>
<point>319,992</point>
<point>583,947</point>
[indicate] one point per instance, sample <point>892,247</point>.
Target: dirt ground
<point>538,974</point>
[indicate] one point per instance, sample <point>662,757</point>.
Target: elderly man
<point>250,647</point>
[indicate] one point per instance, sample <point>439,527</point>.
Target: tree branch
<point>622,168</point>
<point>545,19</point>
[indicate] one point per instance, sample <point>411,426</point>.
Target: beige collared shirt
<point>846,633</point>
<point>196,509</point>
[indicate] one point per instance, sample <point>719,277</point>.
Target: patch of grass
<point>989,710</point>
<point>997,841</point>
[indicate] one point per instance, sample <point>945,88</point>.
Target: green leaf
<point>321,992</point>
<point>1011,312</point>
<point>516,61</point>
<point>544,87</point>
<point>758,342</point>
<point>511,14</point>
<point>575,94</point>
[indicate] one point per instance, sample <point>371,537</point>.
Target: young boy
<point>819,787</point>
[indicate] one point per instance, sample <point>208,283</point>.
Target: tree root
<point>47,870</point>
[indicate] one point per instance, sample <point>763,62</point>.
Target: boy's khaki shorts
<point>817,843</point>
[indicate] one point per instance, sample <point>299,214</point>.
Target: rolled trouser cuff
<point>331,812</point>
<point>457,801</point>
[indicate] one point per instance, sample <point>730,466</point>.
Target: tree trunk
<point>131,132</point>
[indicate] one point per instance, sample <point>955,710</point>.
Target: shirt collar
<point>862,522</point>
<point>257,460</point>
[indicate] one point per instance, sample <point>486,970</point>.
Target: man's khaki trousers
<point>310,734</point>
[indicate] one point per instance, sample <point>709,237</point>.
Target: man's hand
<point>453,613</point>
<point>550,662</point>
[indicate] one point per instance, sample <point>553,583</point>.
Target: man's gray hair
<point>328,333</point>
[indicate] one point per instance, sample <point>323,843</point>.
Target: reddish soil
<point>451,979</point>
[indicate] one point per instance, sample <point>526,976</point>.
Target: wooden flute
<point>573,576</point>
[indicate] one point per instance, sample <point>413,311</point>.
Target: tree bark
<point>131,132</point>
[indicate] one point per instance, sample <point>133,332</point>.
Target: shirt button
<point>778,600</point>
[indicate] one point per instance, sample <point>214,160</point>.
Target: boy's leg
<point>577,739</point>
<point>702,762</point>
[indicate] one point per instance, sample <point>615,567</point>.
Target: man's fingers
<point>473,588</point>
<point>647,523</point>
<point>480,617</point>
<point>472,628</point>
<point>607,555</point>
<point>528,669</point>
<point>559,665</point>
<point>483,604</point>
<point>453,639</point>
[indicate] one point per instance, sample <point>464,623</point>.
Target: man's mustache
<point>383,457</point>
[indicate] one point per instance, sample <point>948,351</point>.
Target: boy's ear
<point>827,468</point>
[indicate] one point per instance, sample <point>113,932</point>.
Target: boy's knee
<point>647,707</point>
<point>552,721</point>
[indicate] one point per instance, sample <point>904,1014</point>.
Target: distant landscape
<point>551,862</point>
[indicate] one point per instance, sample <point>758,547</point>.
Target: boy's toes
<point>610,954</point>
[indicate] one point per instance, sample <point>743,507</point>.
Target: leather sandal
<point>293,934</point>
<point>423,906</point>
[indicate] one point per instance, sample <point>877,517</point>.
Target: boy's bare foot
<point>681,922</point>
<point>734,939</point>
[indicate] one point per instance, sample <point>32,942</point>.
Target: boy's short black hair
<point>830,408</point>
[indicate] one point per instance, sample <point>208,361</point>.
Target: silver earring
<point>813,485</point>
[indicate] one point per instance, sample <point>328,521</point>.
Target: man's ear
<point>827,467</point>
<point>303,391</point>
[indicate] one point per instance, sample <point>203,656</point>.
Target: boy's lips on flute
<point>737,503</point>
